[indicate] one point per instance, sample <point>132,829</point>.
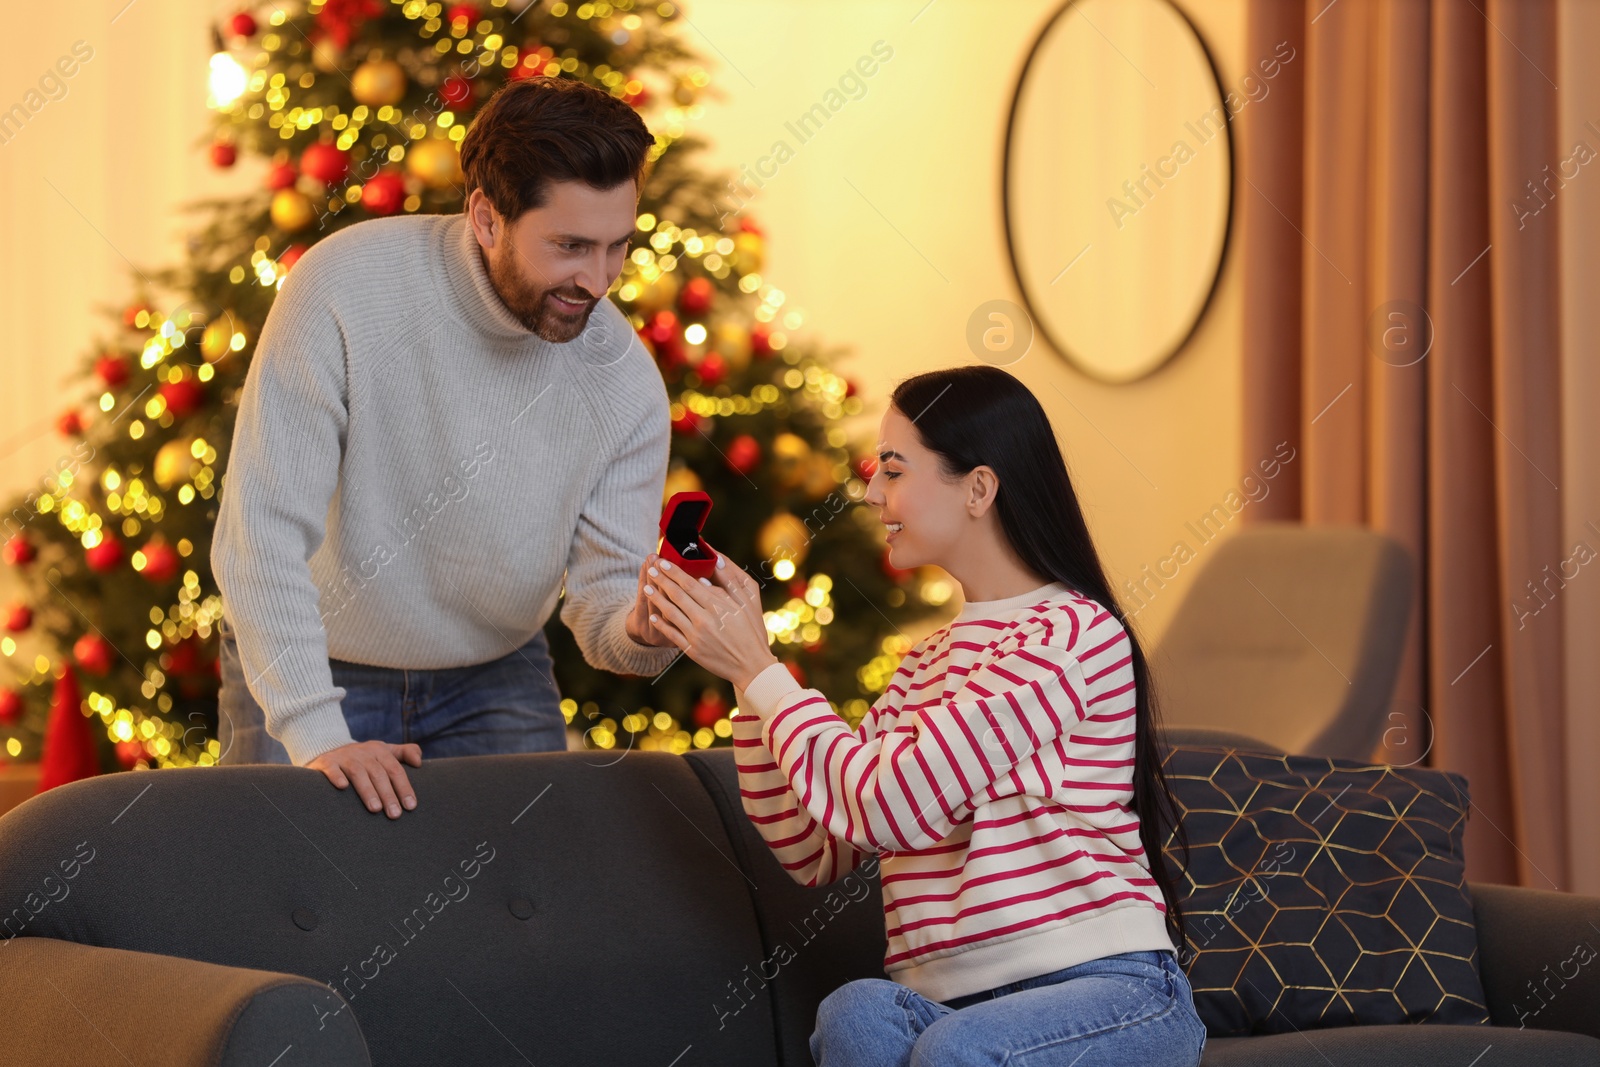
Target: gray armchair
<point>1291,634</point>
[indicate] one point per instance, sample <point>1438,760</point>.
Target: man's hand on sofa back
<point>374,767</point>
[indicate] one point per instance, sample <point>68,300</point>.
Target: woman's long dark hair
<point>981,416</point>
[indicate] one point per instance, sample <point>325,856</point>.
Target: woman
<point>1008,778</point>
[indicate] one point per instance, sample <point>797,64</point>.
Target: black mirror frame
<point>1032,306</point>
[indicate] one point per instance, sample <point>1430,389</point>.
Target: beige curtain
<point>1402,323</point>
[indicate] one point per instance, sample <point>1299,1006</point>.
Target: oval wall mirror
<point>1117,183</point>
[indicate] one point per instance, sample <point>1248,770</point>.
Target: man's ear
<point>483,219</point>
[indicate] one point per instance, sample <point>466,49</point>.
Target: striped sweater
<point>993,779</point>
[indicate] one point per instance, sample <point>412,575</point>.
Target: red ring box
<point>681,544</point>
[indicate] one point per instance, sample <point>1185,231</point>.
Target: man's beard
<point>532,307</point>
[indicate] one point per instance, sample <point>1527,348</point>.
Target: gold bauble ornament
<point>819,480</point>
<point>790,454</point>
<point>436,162</point>
<point>680,480</point>
<point>657,295</point>
<point>732,339</point>
<point>326,55</point>
<point>783,537</point>
<point>749,252</point>
<point>217,340</point>
<point>379,82</point>
<point>292,210</point>
<point>171,467</point>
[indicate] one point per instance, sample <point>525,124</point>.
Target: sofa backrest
<point>813,940</point>
<point>558,908</point>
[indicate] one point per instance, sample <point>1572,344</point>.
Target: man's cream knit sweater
<point>413,473</point>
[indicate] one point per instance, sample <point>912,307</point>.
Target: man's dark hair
<point>541,130</point>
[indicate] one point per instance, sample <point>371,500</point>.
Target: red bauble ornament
<point>325,162</point>
<point>794,671</point>
<point>743,454</point>
<point>18,551</point>
<point>130,315</point>
<point>384,194</point>
<point>467,12</point>
<point>695,299</point>
<point>282,176</point>
<point>184,658</point>
<point>105,556</point>
<point>129,753</point>
<point>242,25</point>
<point>18,618</point>
<point>689,423</point>
<point>867,466</point>
<point>761,341</point>
<point>663,326</point>
<point>70,424</point>
<point>665,340</point>
<point>93,653</point>
<point>183,397</point>
<point>456,91</point>
<point>291,256</point>
<point>638,99</point>
<point>747,225</point>
<point>112,369</point>
<point>161,561</point>
<point>712,369</point>
<point>708,710</point>
<point>223,154</point>
<point>10,706</point>
<point>850,388</point>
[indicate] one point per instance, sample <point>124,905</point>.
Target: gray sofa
<point>554,909</point>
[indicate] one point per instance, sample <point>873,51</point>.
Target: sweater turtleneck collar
<point>472,293</point>
<point>988,609</point>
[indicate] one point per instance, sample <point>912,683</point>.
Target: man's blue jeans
<point>1133,1009</point>
<point>510,704</point>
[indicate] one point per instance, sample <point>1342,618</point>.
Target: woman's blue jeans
<point>510,704</point>
<point>1134,1009</point>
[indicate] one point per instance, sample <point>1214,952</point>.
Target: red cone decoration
<point>69,752</point>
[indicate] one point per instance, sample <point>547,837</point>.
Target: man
<point>445,418</point>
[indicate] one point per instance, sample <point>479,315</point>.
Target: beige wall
<point>88,185</point>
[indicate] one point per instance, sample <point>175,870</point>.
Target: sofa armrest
<point>88,1005</point>
<point>1539,954</point>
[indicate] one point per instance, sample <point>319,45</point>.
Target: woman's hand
<point>719,626</point>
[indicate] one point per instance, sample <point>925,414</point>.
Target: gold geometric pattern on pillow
<point>1324,892</point>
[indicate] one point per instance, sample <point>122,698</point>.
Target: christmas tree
<point>357,108</point>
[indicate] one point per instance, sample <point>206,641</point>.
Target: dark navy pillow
<point>1324,892</point>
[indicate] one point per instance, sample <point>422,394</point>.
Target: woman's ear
<point>983,486</point>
